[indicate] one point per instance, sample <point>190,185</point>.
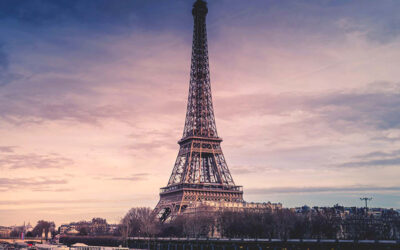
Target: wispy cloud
<point>6,76</point>
<point>34,184</point>
<point>375,159</point>
<point>153,144</point>
<point>6,149</point>
<point>251,169</point>
<point>106,14</point>
<point>351,108</point>
<point>134,177</point>
<point>30,111</point>
<point>340,189</point>
<point>379,154</point>
<point>3,59</point>
<point>33,161</point>
<point>373,163</point>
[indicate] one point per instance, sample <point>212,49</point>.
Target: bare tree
<point>139,222</point>
<point>43,226</point>
<point>199,224</point>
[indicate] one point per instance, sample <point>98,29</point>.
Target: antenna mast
<point>366,199</point>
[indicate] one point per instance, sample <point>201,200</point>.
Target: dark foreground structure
<point>234,244</point>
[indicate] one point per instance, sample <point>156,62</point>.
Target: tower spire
<point>200,119</point>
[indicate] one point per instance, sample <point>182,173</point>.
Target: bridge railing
<point>168,239</point>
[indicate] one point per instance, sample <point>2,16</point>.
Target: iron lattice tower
<point>200,172</point>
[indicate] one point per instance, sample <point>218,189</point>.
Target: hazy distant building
<point>97,226</point>
<point>5,232</point>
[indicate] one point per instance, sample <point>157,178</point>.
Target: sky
<point>93,97</point>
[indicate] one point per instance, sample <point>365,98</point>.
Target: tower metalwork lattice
<point>200,172</point>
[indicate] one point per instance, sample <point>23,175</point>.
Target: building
<point>5,232</point>
<point>97,226</point>
<point>64,228</point>
<point>214,206</point>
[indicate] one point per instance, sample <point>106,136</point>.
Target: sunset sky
<point>93,100</point>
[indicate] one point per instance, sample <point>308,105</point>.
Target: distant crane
<point>366,199</point>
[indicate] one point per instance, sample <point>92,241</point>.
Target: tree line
<point>324,223</point>
<point>282,223</point>
<point>42,226</point>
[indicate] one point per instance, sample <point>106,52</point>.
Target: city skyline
<point>93,98</point>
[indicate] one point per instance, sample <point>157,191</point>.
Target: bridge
<point>230,244</point>
<point>19,240</point>
<point>257,244</point>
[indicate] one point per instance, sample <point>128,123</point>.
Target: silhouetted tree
<point>283,223</point>
<point>174,227</point>
<point>139,222</point>
<point>83,230</point>
<point>43,226</point>
<point>301,227</point>
<point>199,223</point>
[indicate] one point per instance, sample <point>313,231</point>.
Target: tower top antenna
<point>200,8</point>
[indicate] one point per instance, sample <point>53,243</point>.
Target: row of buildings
<point>220,206</point>
<point>354,222</point>
<point>15,231</point>
<point>97,226</point>
<point>345,212</point>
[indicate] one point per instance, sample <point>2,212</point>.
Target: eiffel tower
<point>200,172</point>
